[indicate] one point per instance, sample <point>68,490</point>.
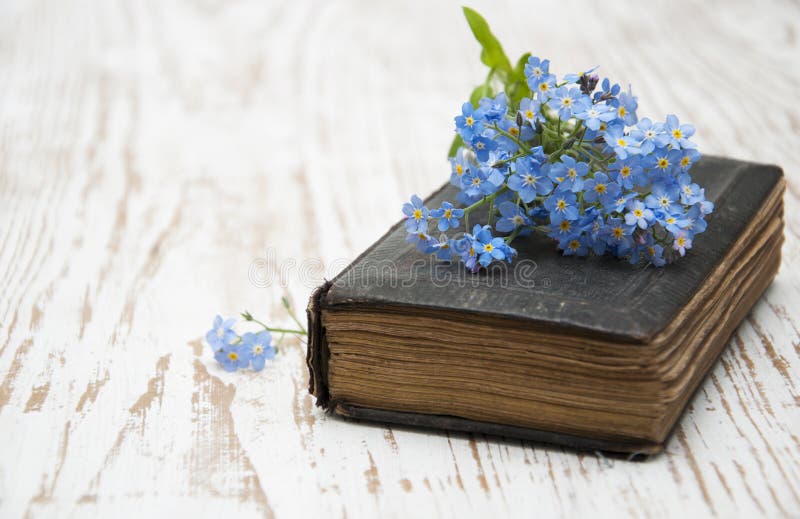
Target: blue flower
<point>494,109</point>
<point>618,235</point>
<point>565,100</point>
<point>607,92</point>
<point>528,180</point>
<point>482,181</point>
<point>688,158</point>
<point>600,187</point>
<point>416,215</point>
<point>221,333</point>
<point>488,247</point>
<point>422,240</point>
<point>482,146</point>
<point>448,216</point>
<point>594,116</point>
<point>676,134</point>
<point>512,217</point>
<point>545,87</point>
<point>536,71</point>
<point>628,172</point>
<point>646,134</point>
<point>561,205</point>
<point>563,230</point>
<point>696,223</point>
<point>616,203</point>
<point>233,356</point>
<point>530,109</point>
<point>259,348</point>
<point>638,214</point>
<point>664,196</point>
<point>470,122</point>
<point>662,162</point>
<point>621,144</point>
<point>575,245</point>
<point>690,192</point>
<point>682,240</point>
<point>626,110</point>
<point>459,166</point>
<point>568,173</point>
<point>443,249</point>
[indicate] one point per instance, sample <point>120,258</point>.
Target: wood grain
<point>153,153</point>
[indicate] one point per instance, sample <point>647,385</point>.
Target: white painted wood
<point>150,151</point>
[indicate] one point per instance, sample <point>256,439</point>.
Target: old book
<point>587,352</point>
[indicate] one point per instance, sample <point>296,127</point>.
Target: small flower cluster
<point>234,351</point>
<point>574,162</point>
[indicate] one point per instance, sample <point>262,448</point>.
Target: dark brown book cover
<point>595,297</point>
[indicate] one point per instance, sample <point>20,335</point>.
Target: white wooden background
<point>151,152</point>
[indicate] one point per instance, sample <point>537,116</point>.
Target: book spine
<point>318,353</point>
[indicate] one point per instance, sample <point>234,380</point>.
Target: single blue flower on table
<point>562,206</point>
<point>528,180</point>
<point>233,356</point>
<point>594,116</point>
<point>448,216</point>
<point>638,214</point>
<point>566,100</point>
<point>676,134</point>
<point>482,146</point>
<point>536,70</point>
<point>646,134</point>
<point>568,174</point>
<point>622,144</point>
<point>512,217</point>
<point>221,333</point>
<point>600,186</point>
<point>416,215</point>
<point>470,122</point>
<point>682,240</point>
<point>259,348</point>
<point>488,247</point>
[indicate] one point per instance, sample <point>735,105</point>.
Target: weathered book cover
<point>599,298</point>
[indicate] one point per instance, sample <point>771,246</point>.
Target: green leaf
<point>479,92</point>
<point>492,54</point>
<point>457,142</point>
<point>519,68</point>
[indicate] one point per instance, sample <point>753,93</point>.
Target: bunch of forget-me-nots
<point>565,157</point>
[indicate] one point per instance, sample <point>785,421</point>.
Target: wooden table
<point>158,160</point>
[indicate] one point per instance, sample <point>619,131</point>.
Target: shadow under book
<point>591,353</point>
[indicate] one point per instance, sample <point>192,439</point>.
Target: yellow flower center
<point>529,114</point>
<point>233,355</point>
<point>681,241</point>
<point>530,180</point>
<point>567,101</point>
<point>564,225</point>
<point>685,161</point>
<point>470,121</point>
<point>488,247</point>
<point>638,213</point>
<point>476,181</point>
<point>677,133</point>
<point>574,244</point>
<point>625,171</point>
<point>663,163</point>
<point>622,111</point>
<point>621,142</point>
<point>561,205</point>
<point>544,87</point>
<point>459,169</point>
<point>448,213</point>
<point>600,188</point>
<point>258,349</point>
<point>617,232</point>
<point>417,214</point>
<point>572,173</point>
<point>651,250</point>
<point>513,131</point>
